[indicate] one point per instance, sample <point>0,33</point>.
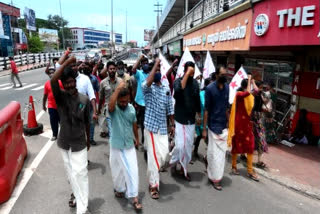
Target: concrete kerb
<point>290,184</point>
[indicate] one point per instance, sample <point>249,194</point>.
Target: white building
<point>85,37</point>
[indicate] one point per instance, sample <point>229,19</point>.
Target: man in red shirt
<point>52,106</point>
<point>14,72</point>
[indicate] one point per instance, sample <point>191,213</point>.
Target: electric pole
<point>112,28</point>
<point>158,10</point>
<point>63,45</point>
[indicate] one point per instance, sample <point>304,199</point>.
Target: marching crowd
<point>168,109</point>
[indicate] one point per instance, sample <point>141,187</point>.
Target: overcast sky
<point>97,14</point>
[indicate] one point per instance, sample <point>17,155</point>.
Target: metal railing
<point>204,10</point>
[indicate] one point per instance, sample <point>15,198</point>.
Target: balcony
<point>200,13</point>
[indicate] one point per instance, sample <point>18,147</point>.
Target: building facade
<point>277,41</point>
<point>12,38</point>
<point>85,37</point>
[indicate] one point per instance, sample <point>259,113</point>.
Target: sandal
<point>72,201</point>
<point>217,186</point>
<point>261,165</point>
<point>253,176</point>
<point>137,206</point>
<point>118,194</point>
<point>154,192</point>
<point>234,171</point>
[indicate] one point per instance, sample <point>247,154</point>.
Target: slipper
<point>235,171</point>
<point>261,165</point>
<point>154,193</point>
<point>137,206</point>
<point>217,186</point>
<point>72,201</point>
<point>118,194</point>
<point>253,176</point>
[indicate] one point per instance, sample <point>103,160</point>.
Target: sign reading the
<point>288,23</point>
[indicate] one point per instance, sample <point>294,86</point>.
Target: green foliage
<point>35,45</point>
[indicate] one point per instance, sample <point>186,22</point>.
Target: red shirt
<point>48,92</point>
<point>13,67</point>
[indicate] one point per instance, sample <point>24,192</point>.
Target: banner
<point>48,35</point>
<point>236,83</point>
<point>148,34</point>
<point>186,57</point>
<point>208,66</point>
<point>1,26</point>
<point>30,17</point>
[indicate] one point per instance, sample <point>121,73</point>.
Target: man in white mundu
<point>187,96</point>
<point>159,105</point>
<point>123,157</point>
<point>215,115</point>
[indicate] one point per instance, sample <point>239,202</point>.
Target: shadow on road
<point>93,166</point>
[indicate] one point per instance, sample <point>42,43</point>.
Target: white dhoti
<point>75,164</point>
<point>158,151</point>
<point>216,154</point>
<point>124,170</point>
<point>182,151</point>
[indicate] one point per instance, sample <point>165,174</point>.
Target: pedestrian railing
<point>30,61</point>
<point>204,10</point>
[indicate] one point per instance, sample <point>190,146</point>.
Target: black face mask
<point>112,74</point>
<point>122,107</point>
<point>145,68</point>
<point>222,79</point>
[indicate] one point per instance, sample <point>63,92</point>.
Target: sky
<point>97,14</point>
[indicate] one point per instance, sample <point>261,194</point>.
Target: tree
<point>35,44</point>
<point>56,22</point>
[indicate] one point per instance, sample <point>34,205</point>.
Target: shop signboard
<point>285,23</point>
<point>174,48</point>
<point>48,35</point>
<point>230,34</point>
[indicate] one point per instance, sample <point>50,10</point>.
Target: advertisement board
<point>285,23</point>
<point>48,35</point>
<point>30,18</point>
<point>148,34</point>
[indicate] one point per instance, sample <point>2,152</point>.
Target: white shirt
<point>84,86</point>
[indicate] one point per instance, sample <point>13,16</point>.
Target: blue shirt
<point>95,83</point>
<point>122,127</point>
<point>158,105</point>
<point>217,103</point>
<point>140,78</point>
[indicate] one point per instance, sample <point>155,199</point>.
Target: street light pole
<point>112,28</point>
<point>63,45</point>
<point>126,26</point>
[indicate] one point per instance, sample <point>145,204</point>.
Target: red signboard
<point>9,10</point>
<point>285,23</point>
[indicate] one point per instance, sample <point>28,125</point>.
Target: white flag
<point>208,66</point>
<point>236,83</point>
<point>186,57</point>
<point>165,66</point>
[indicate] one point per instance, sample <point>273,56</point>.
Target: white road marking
<point>26,174</point>
<point>38,88</point>
<point>27,86</point>
<point>5,84</point>
<point>40,115</point>
<point>6,88</point>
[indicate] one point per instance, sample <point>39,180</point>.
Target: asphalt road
<point>48,190</point>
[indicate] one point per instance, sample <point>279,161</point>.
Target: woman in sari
<point>240,128</point>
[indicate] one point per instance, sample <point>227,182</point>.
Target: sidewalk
<point>22,69</point>
<point>297,168</point>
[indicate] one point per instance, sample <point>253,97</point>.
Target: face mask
<point>120,72</point>
<point>122,107</point>
<point>145,68</point>
<point>112,74</point>
<point>157,77</point>
<point>222,79</point>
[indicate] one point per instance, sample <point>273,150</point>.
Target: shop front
<point>285,51</point>
<point>223,38</point>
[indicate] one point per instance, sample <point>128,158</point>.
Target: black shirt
<point>187,101</point>
<point>74,116</point>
